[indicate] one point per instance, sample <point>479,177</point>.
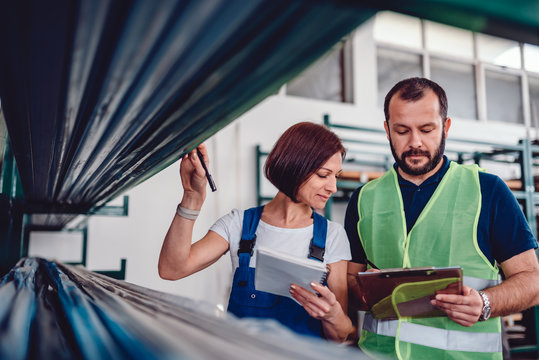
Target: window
<point>498,51</point>
<point>531,57</point>
<point>503,97</point>
<point>458,81</point>
<point>448,40</point>
<point>478,71</point>
<point>397,29</point>
<point>534,100</point>
<point>394,66</point>
<point>326,79</point>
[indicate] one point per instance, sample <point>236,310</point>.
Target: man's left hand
<point>463,309</point>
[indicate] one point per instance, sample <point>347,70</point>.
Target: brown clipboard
<point>393,293</point>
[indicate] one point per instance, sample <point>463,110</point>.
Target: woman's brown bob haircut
<point>298,154</point>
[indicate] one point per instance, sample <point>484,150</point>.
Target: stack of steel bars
<point>53,311</point>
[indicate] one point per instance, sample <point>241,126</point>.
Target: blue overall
<point>245,301</point>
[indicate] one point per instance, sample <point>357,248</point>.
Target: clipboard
<point>394,293</point>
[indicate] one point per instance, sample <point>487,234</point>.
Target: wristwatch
<point>485,313</point>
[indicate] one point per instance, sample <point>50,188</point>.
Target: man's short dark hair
<point>413,89</point>
<point>299,153</point>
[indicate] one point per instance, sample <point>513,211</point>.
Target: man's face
<point>417,134</point>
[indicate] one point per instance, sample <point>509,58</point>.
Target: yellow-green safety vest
<point>445,234</point>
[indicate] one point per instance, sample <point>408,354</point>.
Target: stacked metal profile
<point>53,311</point>
<point>100,95</point>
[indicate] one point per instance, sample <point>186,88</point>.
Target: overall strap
<point>318,242</point>
<point>251,218</point>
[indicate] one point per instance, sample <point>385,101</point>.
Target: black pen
<point>208,176</point>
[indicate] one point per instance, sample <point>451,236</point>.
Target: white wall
<point>63,246</point>
<point>152,204</point>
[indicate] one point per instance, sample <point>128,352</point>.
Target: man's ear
<point>447,125</point>
<point>386,127</point>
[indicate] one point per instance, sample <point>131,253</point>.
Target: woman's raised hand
<point>192,173</point>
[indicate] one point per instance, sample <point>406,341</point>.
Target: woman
<point>304,165</point>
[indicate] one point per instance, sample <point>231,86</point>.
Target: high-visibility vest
<point>445,234</point>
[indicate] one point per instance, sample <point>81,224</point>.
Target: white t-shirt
<point>290,241</point>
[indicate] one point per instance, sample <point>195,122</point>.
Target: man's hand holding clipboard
<point>393,293</point>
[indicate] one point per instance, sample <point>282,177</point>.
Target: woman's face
<point>317,189</point>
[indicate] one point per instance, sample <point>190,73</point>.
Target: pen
<point>208,176</point>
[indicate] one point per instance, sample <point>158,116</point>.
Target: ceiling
<point>100,95</point>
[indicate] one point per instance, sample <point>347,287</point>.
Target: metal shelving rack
<point>18,237</point>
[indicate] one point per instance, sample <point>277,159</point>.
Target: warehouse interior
<point>100,99</point>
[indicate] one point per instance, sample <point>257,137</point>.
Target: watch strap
<point>485,312</point>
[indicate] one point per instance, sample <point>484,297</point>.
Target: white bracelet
<point>187,213</point>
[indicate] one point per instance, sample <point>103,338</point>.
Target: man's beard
<point>431,164</point>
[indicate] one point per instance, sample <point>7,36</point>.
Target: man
<point>429,211</point>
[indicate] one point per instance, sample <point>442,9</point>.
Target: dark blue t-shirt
<point>502,232</point>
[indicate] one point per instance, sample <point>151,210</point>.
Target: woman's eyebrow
<point>338,171</point>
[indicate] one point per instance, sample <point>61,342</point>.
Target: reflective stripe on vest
<point>477,283</point>
<point>436,338</point>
